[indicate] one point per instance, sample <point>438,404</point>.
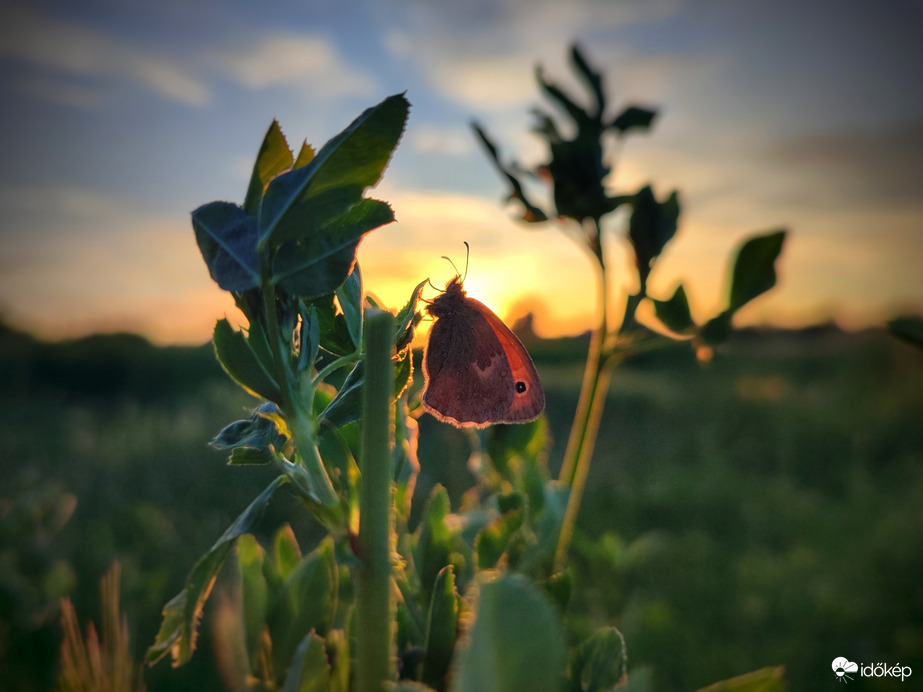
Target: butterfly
<point>477,372</point>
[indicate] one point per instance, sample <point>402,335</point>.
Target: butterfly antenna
<point>457,273</point>
<point>467,257</point>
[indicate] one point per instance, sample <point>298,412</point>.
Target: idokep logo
<point>842,667</point>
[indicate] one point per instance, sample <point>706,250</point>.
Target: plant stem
<point>593,391</point>
<point>373,597</point>
<point>292,406</point>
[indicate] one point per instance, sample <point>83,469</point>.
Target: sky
<point>120,118</point>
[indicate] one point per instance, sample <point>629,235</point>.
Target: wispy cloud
<point>69,48</point>
<point>296,60</point>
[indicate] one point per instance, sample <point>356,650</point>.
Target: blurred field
<point>764,509</point>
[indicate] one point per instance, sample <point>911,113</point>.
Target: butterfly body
<point>477,372</point>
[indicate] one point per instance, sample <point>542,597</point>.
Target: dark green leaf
<point>407,319</point>
<point>509,445</point>
<point>651,227</point>
<point>516,642</point>
<point>599,663</point>
<point>286,554</point>
<point>310,337</point>
<point>308,671</point>
<point>239,361</point>
<point>255,440</point>
<point>434,541</point>
<point>349,296</point>
<point>334,335</point>
<point>227,237</point>
<point>592,78</point>
<point>634,118</point>
<point>177,633</point>
<point>321,261</point>
<point>674,312</point>
<point>297,202</point>
<point>255,595</point>
<point>754,268</point>
<point>580,117</point>
<point>441,629</point>
<point>274,158</point>
<point>491,542</point>
<point>908,328</point>
<point>304,603</point>
<point>717,330</point>
<point>559,587</point>
<point>532,213</point>
<point>347,404</point>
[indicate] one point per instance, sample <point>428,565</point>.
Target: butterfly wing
<point>477,372</point>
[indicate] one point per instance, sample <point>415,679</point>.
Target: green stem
<point>373,598</point>
<point>292,406</point>
<point>333,367</point>
<point>582,440</point>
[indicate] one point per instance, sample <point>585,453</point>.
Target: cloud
<point>451,141</point>
<point>68,48</point>
<point>299,60</point>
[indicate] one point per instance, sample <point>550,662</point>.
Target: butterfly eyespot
<point>520,387</point>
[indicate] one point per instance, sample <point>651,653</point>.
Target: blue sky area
<point>120,118</point>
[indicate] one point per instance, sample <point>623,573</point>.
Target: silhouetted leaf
<point>651,227</point>
<point>754,269</point>
<point>674,312</point>
<point>634,118</point>
<point>227,236</point>
<point>592,78</point>
<point>532,214</point>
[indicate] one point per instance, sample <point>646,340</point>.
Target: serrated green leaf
<point>297,201</point>
<point>319,263</point>
<point>305,602</point>
<point>516,642</point>
<point>441,629</point>
<point>634,118</point>
<point>305,155</point>
<point>770,679</point>
<point>273,158</point>
<point>227,235</point>
<point>754,268</point>
<point>250,557</point>
<point>308,671</point>
<point>599,663</point>
<point>674,312</point>
<point>349,295</point>
<point>177,633</point>
<point>240,362</point>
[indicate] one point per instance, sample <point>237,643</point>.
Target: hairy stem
<point>373,608</point>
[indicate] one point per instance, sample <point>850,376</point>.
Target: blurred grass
<point>763,509</point>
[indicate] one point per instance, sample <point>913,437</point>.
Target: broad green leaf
<point>308,671</point>
<point>516,642</point>
<point>349,295</point>
<point>754,268</point>
<point>334,335</point>
<point>771,679</point>
<point>531,214</point>
<point>305,602</point>
<point>297,202</point>
<point>250,556</point>
<point>491,542</point>
<point>319,263</point>
<point>634,118</point>
<point>177,633</point>
<point>274,158</point>
<point>227,235</point>
<point>509,445</point>
<point>674,312</point>
<point>285,551</point>
<point>441,629</point>
<point>240,362</point>
<point>592,78</point>
<point>599,663</point>
<point>908,328</point>
<point>435,540</point>
<point>347,404</point>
